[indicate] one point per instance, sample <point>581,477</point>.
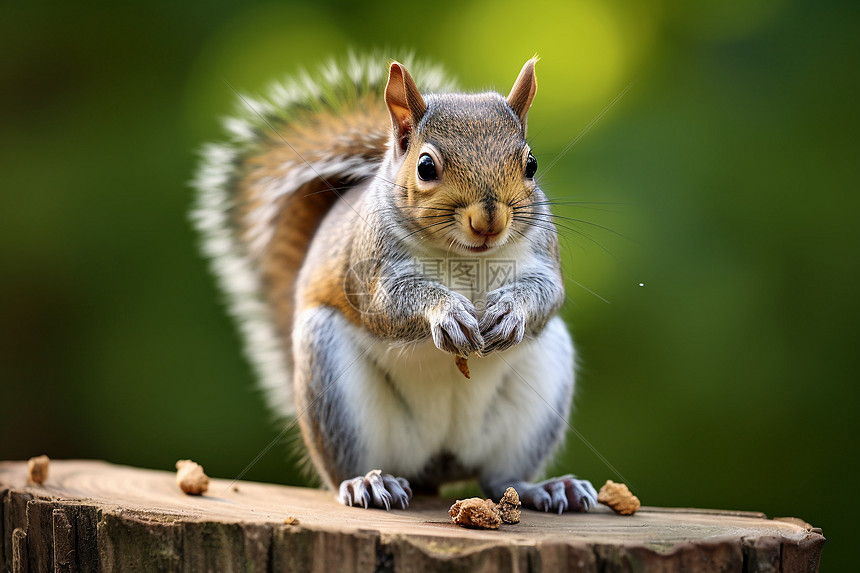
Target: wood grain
<point>91,515</point>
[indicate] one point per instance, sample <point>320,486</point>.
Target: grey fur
<point>339,368</point>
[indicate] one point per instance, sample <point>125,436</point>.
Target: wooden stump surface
<point>92,515</point>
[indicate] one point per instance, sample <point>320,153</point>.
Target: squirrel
<point>363,229</point>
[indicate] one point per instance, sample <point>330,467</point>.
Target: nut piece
<point>509,506</point>
<point>190,477</point>
<point>463,365</point>
<point>291,520</point>
<point>475,512</point>
<point>618,497</point>
<point>38,469</point>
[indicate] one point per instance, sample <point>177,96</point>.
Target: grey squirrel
<point>364,230</point>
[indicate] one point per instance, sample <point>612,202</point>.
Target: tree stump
<point>91,515</point>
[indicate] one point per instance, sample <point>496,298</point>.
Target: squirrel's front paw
<point>504,322</point>
<point>454,326</point>
<point>376,489</point>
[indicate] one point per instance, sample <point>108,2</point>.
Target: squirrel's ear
<point>404,102</point>
<point>523,92</point>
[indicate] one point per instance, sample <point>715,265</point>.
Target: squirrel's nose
<point>485,224</point>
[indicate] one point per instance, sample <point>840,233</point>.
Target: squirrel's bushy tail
<point>262,194</point>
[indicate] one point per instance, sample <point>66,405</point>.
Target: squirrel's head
<point>465,168</point>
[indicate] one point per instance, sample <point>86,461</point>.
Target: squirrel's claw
<point>503,324</point>
<point>560,494</point>
<point>376,489</point>
<point>455,327</point>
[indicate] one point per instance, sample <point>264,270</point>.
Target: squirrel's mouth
<point>477,249</point>
<point>487,243</point>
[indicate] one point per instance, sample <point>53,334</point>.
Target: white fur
<point>239,278</point>
<point>435,408</point>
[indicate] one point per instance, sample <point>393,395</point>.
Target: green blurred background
<point>728,380</point>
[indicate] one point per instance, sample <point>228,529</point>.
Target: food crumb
<point>509,506</point>
<point>190,477</point>
<point>476,513</point>
<point>37,469</point>
<point>291,520</point>
<point>618,497</point>
<point>463,366</point>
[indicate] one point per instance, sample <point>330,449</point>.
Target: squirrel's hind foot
<point>376,489</point>
<point>565,493</point>
<point>557,495</point>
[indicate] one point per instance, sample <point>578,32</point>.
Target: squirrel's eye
<point>531,166</point>
<point>426,168</point>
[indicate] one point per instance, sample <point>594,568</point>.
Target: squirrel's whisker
<point>577,231</point>
<point>427,217</point>
<point>584,222</point>
<point>450,210</point>
<point>424,228</point>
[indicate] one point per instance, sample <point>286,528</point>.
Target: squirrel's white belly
<point>414,404</point>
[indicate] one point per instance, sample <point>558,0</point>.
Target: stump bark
<point>91,515</point>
